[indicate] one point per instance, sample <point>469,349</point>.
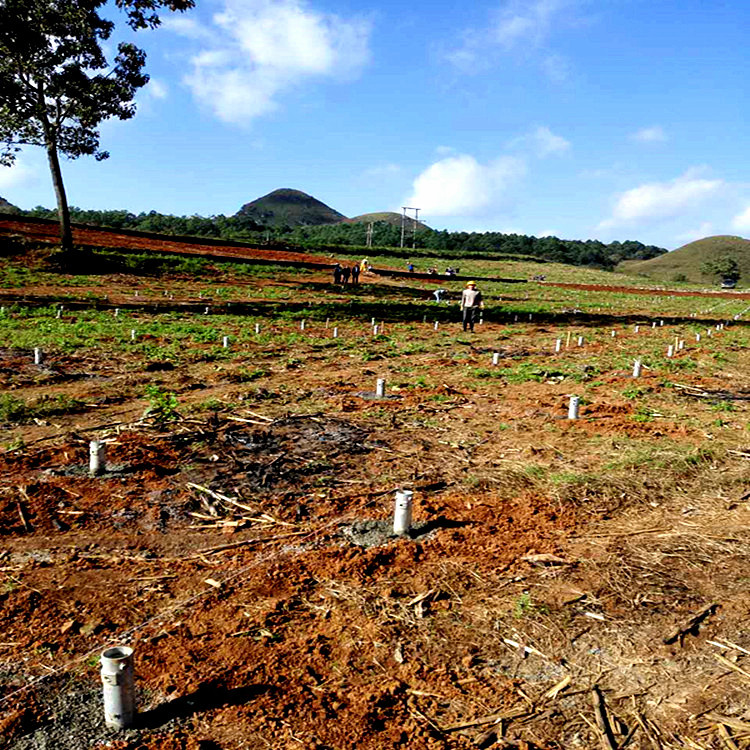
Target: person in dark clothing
<point>345,271</point>
<point>471,301</point>
<point>355,274</point>
<point>337,274</point>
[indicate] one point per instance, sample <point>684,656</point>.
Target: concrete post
<point>496,358</point>
<point>637,368</point>
<point>37,356</point>
<point>118,687</point>
<point>225,342</point>
<point>558,345</point>
<point>380,388</point>
<point>335,333</point>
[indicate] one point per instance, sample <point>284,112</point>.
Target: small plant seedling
<point>162,404</point>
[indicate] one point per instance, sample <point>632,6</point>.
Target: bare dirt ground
<point>239,539</point>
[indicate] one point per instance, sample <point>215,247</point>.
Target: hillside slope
<point>287,207</point>
<point>684,263</point>
<point>390,217</point>
<point>7,207</point>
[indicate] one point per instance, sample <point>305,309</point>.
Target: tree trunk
<point>63,212</point>
<point>50,143</point>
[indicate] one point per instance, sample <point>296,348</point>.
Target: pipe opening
<point>117,652</point>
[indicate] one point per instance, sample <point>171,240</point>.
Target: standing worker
<point>355,274</point>
<point>471,301</point>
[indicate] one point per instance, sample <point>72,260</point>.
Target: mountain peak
<point>287,206</point>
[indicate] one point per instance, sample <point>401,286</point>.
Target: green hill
<point>390,217</point>
<point>684,263</point>
<point>8,208</point>
<point>287,207</point>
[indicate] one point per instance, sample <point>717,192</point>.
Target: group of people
<point>450,271</point>
<point>342,274</point>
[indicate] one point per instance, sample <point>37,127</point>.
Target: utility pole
<point>414,232</point>
<point>368,241</point>
<point>403,223</point>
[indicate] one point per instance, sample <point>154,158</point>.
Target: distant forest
<point>352,236</point>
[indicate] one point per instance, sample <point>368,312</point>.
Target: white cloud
<point>260,49</point>
<point>524,22</point>
<point>654,134</point>
<point>460,186</point>
<point>383,170</point>
<point>19,175</point>
<point>521,27</point>
<point>541,142</point>
<point>656,201</point>
<point>549,144</point>
<point>156,89</point>
<point>706,229</point>
<point>741,222</point>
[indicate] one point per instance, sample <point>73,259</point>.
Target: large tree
<point>56,84</point>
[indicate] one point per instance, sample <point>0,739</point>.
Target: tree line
<point>329,237</point>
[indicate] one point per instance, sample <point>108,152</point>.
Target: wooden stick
<point>740,726</point>
<point>515,713</point>
<point>247,542</point>
<point>726,738</point>
<point>731,665</point>
<point>602,720</point>
<point>691,623</point>
<point>22,511</point>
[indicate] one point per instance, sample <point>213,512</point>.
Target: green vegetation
<point>162,404</point>
<point>15,410</point>
<point>697,261</point>
<point>724,268</point>
<point>442,247</point>
<point>56,95</point>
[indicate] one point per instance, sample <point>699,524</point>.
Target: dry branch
<point>22,510</point>
<point>691,624</point>
<point>602,720</point>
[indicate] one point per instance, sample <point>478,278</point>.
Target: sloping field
<point>567,583</point>
<point>684,264</point>
<point>43,230</point>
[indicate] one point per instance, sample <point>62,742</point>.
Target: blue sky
<point>606,119</point>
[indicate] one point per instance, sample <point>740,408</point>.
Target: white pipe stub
<point>37,356</point>
<point>573,407</point>
<point>97,458</point>
<point>117,686</point>
<point>402,512</point>
<point>380,388</point>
